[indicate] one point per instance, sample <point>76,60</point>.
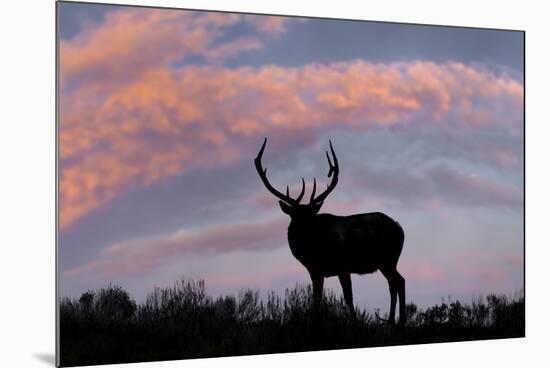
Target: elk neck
<point>300,229</point>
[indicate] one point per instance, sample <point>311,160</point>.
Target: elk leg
<point>317,281</point>
<point>345,281</point>
<point>390,276</point>
<point>401,291</point>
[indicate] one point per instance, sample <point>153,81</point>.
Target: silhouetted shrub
<point>112,303</point>
<point>107,326</point>
<point>480,312</point>
<point>248,308</point>
<point>86,300</point>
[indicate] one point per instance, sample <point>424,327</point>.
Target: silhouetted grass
<point>107,326</point>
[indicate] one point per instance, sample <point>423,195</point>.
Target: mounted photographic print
<point>236,184</point>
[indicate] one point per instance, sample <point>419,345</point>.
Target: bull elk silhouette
<point>329,245</point>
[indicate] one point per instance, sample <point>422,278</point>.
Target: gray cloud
<point>144,255</point>
<point>450,187</point>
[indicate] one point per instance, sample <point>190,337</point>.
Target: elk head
<point>292,206</point>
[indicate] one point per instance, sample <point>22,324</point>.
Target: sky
<point>162,112</point>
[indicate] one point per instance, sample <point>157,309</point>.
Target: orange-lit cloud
<point>165,121</point>
<point>129,118</point>
<point>272,25</point>
<point>130,41</point>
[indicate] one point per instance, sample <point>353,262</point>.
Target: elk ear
<point>316,207</point>
<point>285,207</point>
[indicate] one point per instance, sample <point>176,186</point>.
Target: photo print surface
<point>236,184</point>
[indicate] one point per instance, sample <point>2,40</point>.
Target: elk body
<point>329,245</point>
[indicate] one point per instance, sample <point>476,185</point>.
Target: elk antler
<point>332,172</point>
<point>263,175</point>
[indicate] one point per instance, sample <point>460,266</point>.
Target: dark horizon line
<point>297,285</point>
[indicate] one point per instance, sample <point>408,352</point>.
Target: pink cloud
<point>438,206</point>
<point>515,259</point>
<point>130,41</point>
<point>490,267</point>
<point>422,270</point>
<point>129,119</point>
<point>484,256</point>
<point>142,256</point>
<point>273,25</point>
<point>115,48</point>
<point>507,158</point>
<point>467,272</point>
